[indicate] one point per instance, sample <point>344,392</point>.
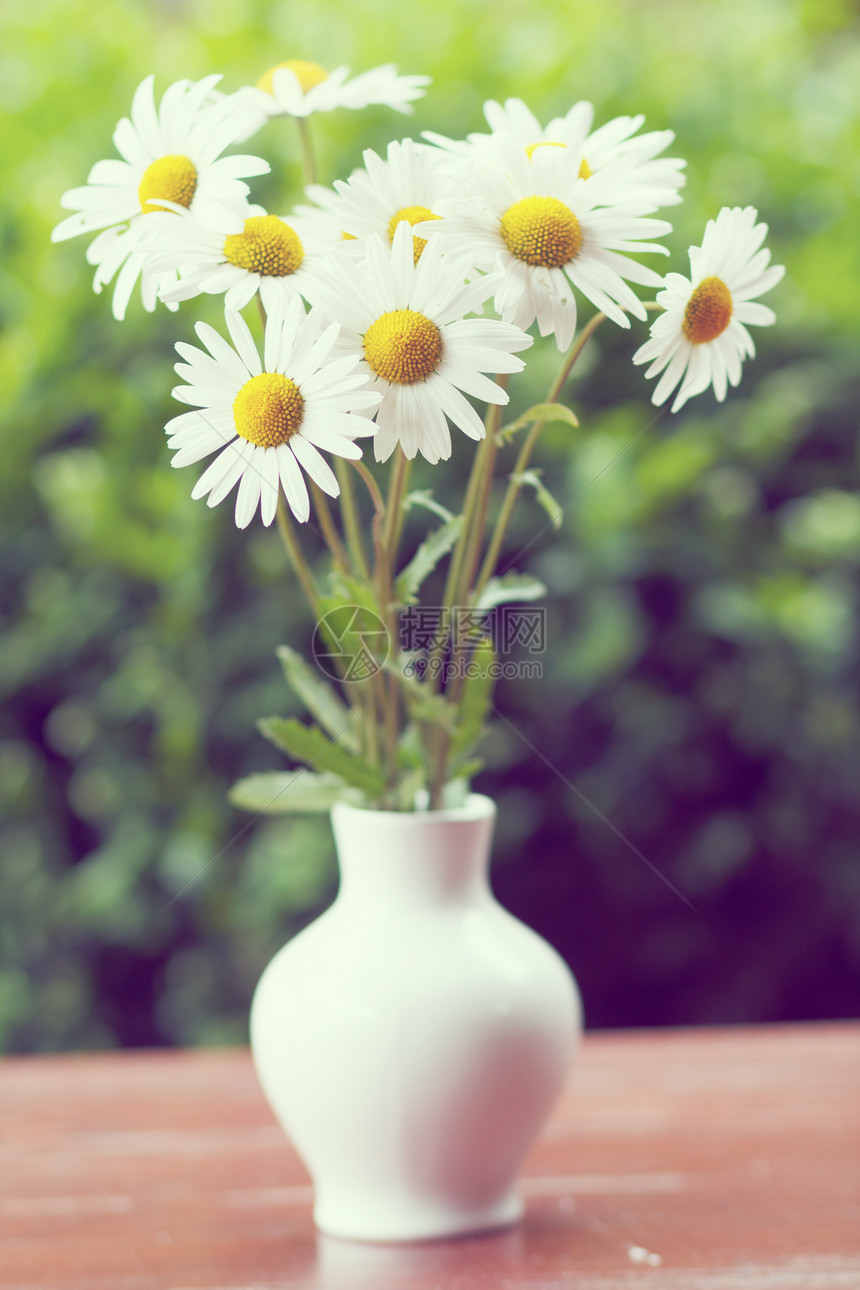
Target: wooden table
<point>723,1159</point>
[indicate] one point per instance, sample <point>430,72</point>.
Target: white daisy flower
<point>654,180</point>
<point>299,88</point>
<point>171,154</point>
<point>403,188</point>
<point>550,230</point>
<point>269,418</point>
<point>407,324</point>
<point>701,339</point>
<point>238,253</point>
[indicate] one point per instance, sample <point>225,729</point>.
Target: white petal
<point>295,488</point>
<point>315,465</point>
<point>244,343</point>
<point>248,497</point>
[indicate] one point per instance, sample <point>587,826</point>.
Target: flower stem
<point>287,530</point>
<point>371,486</point>
<point>330,533</point>
<point>309,165</point>
<point>515,481</point>
<point>452,580</point>
<point>482,501</point>
<point>400,469</point>
<point>351,525</point>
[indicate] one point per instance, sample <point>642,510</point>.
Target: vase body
<point>412,1040</point>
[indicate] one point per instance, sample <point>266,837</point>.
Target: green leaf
<point>474,701</point>
<point>425,559</point>
<point>510,587</point>
<point>284,791</point>
<point>320,699</point>
<point>468,769</point>
<point>423,497</point>
<point>532,479</point>
<point>546,413</point>
<point>309,744</point>
<point>352,639</point>
<point>420,701</point>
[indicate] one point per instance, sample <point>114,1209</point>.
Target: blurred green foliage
<point>700,683</point>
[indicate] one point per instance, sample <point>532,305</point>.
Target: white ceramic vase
<point>413,1039</point>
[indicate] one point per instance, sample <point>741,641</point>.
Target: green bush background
<point>700,686</point>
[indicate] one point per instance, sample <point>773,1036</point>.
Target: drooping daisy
<point>551,230</point>
<point>299,88</point>
<point>701,339</point>
<point>653,180</point>
<point>269,418</point>
<point>405,187</point>
<point>236,252</point>
<point>406,322</point>
<point>173,154</point>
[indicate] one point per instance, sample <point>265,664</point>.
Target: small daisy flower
<point>269,418</point>
<point>406,323</point>
<point>298,88</point>
<point>238,253</point>
<point>655,180</point>
<point>171,154</point>
<point>549,230</point>
<point>701,339</point>
<point>403,188</point>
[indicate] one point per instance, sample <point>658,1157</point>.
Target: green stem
<point>351,525</point>
<point>399,478</point>
<point>385,688</point>
<point>514,483</point>
<point>287,530</point>
<point>330,533</point>
<point>459,576</point>
<point>482,502</point>
<point>371,486</point>
<point>309,166</point>
<point>452,580</point>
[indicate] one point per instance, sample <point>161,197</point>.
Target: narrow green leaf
<point>423,497</point>
<point>421,703</point>
<point>320,698</point>
<point>532,479</point>
<point>474,700</point>
<point>468,769</point>
<point>285,791</point>
<point>309,744</point>
<point>425,559</point>
<point>543,412</point>
<point>510,587</point>
<point>351,639</point>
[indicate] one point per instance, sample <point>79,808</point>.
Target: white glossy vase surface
<point>413,1039</point>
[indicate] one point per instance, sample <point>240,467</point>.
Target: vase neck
<point>392,859</point>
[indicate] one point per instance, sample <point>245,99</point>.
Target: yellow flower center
<point>172,179</point>
<point>411,215</point>
<point>708,312</point>
<point>268,409</point>
<point>307,74</point>
<point>403,346</point>
<point>541,231</point>
<point>265,245</point>
<point>531,148</point>
<point>585,171</point>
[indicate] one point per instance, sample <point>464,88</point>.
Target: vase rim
<point>476,807</point>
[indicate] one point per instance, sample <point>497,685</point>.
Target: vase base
<point>399,1222</point>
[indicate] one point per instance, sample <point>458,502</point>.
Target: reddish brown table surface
<point>723,1159</point>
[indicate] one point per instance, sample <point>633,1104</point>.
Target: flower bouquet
<point>381,310</point>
